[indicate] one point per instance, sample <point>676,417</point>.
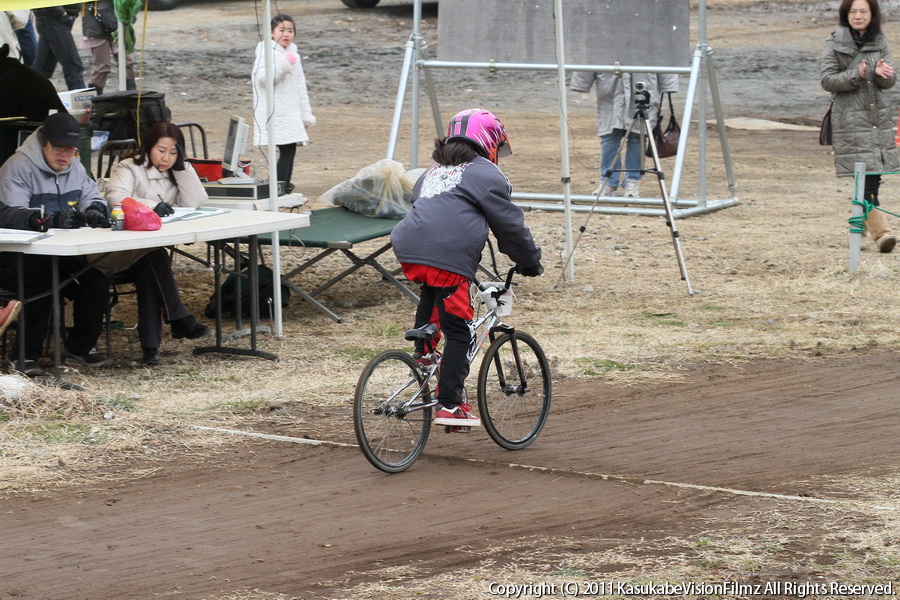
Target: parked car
<point>170,4</point>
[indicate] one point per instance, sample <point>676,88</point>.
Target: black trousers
<point>158,297</point>
<point>57,46</point>
<point>89,294</point>
<point>871,184</point>
<point>285,167</point>
<point>459,341</point>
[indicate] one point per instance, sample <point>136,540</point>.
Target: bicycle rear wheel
<point>390,435</point>
<point>514,408</point>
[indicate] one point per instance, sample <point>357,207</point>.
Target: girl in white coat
<point>290,114</point>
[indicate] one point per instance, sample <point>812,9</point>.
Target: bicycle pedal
<point>449,429</point>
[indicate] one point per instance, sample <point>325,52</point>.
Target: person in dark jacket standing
<point>856,68</point>
<point>458,199</point>
<point>56,44</point>
<point>98,25</point>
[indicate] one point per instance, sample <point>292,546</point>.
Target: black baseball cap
<point>61,130</point>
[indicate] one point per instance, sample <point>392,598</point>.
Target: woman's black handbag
<point>666,140</point>
<point>825,131</point>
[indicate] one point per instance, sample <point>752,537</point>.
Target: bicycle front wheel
<point>514,390</point>
<point>391,418</point>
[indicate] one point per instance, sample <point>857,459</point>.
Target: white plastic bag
<point>383,190</point>
<point>13,387</point>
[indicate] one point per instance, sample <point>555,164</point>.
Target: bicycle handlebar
<point>497,291</point>
<point>509,278</point>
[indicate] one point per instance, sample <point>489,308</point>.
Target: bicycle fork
<point>522,388</point>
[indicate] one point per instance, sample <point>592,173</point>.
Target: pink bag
<point>139,217</point>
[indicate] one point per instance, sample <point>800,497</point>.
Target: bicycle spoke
<point>514,410</point>
<point>391,414</point>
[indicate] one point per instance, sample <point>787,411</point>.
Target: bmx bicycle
<point>394,398</point>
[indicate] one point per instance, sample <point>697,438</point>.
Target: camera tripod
<point>642,106</point>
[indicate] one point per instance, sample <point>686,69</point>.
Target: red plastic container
<point>211,170</point>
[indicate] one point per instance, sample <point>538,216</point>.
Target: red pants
<point>444,300</point>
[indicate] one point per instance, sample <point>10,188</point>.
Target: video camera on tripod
<point>642,95</point>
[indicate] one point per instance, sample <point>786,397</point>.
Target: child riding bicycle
<point>461,196</point>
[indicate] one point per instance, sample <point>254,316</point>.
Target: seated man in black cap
<point>43,185</point>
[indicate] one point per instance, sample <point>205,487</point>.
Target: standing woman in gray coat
<point>856,68</point>
<point>615,115</point>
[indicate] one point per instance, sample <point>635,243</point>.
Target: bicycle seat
<point>425,333</point>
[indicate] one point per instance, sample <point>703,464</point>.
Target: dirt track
<point>620,477</point>
<point>308,521</point>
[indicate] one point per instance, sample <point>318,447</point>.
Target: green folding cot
<point>338,229</point>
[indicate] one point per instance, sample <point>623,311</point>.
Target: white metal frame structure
<point>702,68</point>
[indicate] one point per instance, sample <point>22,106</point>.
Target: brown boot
<point>876,225</point>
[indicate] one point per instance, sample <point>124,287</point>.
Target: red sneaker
<point>456,418</point>
<point>426,360</point>
<point>9,313</point>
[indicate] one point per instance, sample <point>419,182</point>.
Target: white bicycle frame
<point>496,297</point>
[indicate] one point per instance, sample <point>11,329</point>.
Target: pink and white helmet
<point>483,128</point>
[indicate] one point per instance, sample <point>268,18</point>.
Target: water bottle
<point>117,217</point>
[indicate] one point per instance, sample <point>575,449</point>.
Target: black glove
<point>179,162</point>
<point>37,223</point>
<point>96,217</point>
<point>69,17</point>
<point>532,271</point>
<point>68,219</point>
<point>164,209</point>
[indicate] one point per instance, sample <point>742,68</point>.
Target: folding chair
<point>114,150</point>
<point>192,131</point>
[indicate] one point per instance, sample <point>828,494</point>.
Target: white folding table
<point>230,225</point>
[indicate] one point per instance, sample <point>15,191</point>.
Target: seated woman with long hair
<point>157,175</point>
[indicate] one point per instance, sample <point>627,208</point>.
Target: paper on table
<point>19,236</point>
<point>186,213</point>
<point>180,212</point>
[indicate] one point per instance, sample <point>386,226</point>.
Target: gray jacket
<point>27,181</point>
<point>453,208</point>
<point>615,96</point>
<point>862,118</point>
